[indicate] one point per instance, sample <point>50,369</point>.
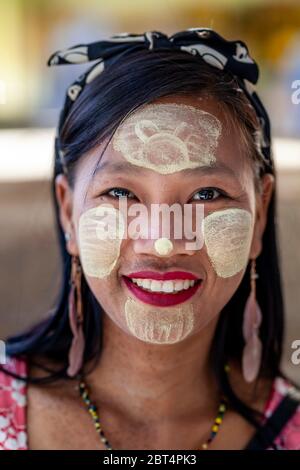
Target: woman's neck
<point>149,381</point>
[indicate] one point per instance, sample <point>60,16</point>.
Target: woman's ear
<point>64,198</point>
<point>262,204</point>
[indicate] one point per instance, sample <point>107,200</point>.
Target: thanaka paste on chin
<point>157,325</point>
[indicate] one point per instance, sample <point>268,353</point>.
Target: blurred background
<point>31,94</point>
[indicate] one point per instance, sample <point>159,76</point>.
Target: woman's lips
<point>161,299</point>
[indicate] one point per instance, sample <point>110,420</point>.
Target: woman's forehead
<point>171,135</point>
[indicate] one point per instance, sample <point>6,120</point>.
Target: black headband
<point>232,56</point>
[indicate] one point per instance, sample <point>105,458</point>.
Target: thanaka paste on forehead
<point>227,236</point>
<point>100,233</point>
<point>159,325</point>
<point>168,137</point>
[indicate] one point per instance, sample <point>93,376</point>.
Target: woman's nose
<point>162,247</point>
<point>156,244</point>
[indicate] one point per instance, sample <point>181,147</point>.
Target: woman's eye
<point>207,194</point>
<point>119,192</point>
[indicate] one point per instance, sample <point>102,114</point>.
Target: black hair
<point>138,79</point>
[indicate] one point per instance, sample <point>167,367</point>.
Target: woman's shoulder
<point>289,437</point>
<point>13,400</point>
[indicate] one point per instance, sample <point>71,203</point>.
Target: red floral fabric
<point>13,407</point>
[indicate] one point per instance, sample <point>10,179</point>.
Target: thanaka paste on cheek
<point>228,236</point>
<point>100,234</point>
<point>159,325</point>
<point>168,137</point>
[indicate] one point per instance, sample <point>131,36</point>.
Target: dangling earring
<point>67,236</point>
<point>252,319</point>
<point>76,319</point>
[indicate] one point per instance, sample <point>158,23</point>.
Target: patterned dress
<point>13,434</point>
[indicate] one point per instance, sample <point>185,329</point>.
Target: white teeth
<point>168,286</point>
<point>155,286</point>
<point>163,286</point>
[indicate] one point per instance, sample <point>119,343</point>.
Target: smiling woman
<point>165,337</point>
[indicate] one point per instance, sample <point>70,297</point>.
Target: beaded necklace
<point>92,409</point>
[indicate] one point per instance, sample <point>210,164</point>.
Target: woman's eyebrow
<point>216,167</point>
<point>119,167</point>
<point>128,168</point>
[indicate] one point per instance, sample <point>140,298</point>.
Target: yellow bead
<point>222,408</point>
<point>215,428</point>
<point>218,420</point>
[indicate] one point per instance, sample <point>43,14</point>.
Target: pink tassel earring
<point>76,319</point>
<point>252,352</point>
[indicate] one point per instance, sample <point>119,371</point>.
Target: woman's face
<point>177,150</point>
